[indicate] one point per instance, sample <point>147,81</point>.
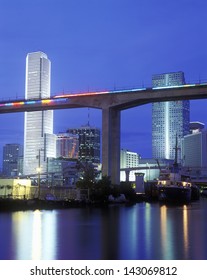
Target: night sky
<point>102,45</point>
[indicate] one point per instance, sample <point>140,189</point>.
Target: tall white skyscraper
<point>169,119</point>
<point>39,141</point>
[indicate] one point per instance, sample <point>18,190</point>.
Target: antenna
<point>175,164</point>
<point>176,151</point>
<point>88,116</point>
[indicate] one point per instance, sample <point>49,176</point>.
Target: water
<point>143,231</point>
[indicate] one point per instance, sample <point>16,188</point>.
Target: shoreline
<point>8,204</point>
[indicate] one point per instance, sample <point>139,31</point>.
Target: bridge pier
<point>111,144</point>
<point>127,175</point>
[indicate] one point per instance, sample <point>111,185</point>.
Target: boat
<point>195,192</point>
<point>171,189</point>
<point>204,191</point>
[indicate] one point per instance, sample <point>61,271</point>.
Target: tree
<point>88,177</point>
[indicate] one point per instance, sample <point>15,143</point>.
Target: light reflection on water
<point>143,231</point>
<point>34,235</point>
<point>185,231</point>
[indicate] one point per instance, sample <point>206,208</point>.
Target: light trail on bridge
<point>31,102</point>
<point>63,97</point>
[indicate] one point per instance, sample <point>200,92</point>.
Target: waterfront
<point>142,231</point>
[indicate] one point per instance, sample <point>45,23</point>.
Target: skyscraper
<point>169,119</point>
<point>11,156</point>
<point>128,159</point>
<point>67,145</point>
<point>194,148</point>
<point>39,141</point>
<point>89,143</point>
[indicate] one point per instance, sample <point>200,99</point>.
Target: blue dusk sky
<point>97,45</point>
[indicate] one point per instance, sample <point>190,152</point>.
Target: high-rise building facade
<point>12,154</point>
<point>194,150</point>
<point>128,159</point>
<point>89,143</point>
<point>67,145</point>
<point>194,147</point>
<point>39,141</point>
<point>170,120</point>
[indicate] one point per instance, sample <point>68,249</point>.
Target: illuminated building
<point>39,140</point>
<point>194,148</point>
<point>169,119</point>
<point>89,143</point>
<point>12,153</point>
<point>63,172</point>
<point>196,127</point>
<point>149,167</point>
<point>67,145</point>
<point>128,159</point>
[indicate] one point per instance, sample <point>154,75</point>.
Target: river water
<point>143,231</point>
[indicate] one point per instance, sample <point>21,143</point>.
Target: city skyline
<point>112,44</point>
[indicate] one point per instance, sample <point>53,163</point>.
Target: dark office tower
<point>89,143</point>
<point>169,119</point>
<point>12,153</point>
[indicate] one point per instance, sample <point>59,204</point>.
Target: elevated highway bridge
<point>111,103</point>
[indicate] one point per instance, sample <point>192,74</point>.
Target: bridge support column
<point>111,144</point>
<point>127,175</point>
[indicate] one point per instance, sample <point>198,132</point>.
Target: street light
<point>38,171</point>
<point>147,164</point>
